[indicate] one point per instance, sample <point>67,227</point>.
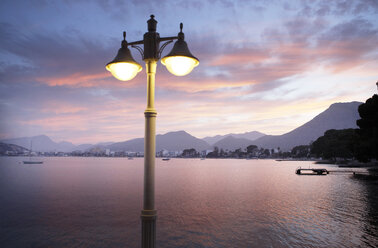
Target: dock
<point>313,171</point>
<point>323,172</point>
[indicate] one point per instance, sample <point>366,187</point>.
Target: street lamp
<point>179,62</point>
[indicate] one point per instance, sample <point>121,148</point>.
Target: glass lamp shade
<point>123,67</point>
<point>179,65</point>
<point>124,71</point>
<point>180,61</point>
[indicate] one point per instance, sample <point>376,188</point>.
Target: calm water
<point>96,202</point>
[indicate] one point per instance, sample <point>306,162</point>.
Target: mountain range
<point>231,143</point>
<point>247,135</point>
<point>41,143</point>
<point>172,141</point>
<point>4,148</point>
<point>337,116</point>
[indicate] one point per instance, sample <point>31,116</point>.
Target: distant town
<point>251,152</point>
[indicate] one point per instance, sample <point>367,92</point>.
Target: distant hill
<point>12,149</point>
<point>91,148</point>
<point>41,143</point>
<point>83,147</point>
<point>337,116</point>
<point>172,141</point>
<point>231,143</point>
<point>133,145</point>
<point>247,135</point>
<point>180,140</point>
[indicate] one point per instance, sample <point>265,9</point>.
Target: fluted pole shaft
<point>149,214</point>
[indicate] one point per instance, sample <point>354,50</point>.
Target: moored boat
<point>33,162</point>
<point>30,161</point>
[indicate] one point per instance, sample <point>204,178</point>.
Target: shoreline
<point>349,164</point>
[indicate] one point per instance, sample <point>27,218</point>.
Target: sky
<point>267,66</point>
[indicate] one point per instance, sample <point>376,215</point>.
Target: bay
<point>96,202</point>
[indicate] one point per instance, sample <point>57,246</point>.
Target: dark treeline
<point>360,144</point>
<point>336,144</point>
<point>251,151</point>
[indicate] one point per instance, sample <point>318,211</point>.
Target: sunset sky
<point>267,66</point>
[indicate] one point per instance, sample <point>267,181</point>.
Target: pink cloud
<point>75,79</point>
<point>56,107</point>
<point>241,57</point>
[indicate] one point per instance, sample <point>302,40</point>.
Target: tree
<point>251,148</point>
<point>214,153</point>
<point>300,151</point>
<point>368,132</point>
<point>190,153</point>
<point>266,152</point>
<point>286,154</point>
<point>336,144</point>
<point>238,153</point>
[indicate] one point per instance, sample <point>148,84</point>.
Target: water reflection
<point>91,202</point>
<point>369,220</point>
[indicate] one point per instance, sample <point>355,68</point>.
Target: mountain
<point>176,141</point>
<point>134,145</point>
<point>10,148</point>
<point>247,135</point>
<point>89,147</point>
<point>172,141</point>
<point>41,143</point>
<point>83,147</point>
<point>64,146</point>
<point>231,143</point>
<point>337,116</point>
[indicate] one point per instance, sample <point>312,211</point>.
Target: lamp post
<point>179,62</point>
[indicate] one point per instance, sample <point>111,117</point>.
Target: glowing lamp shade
<point>124,71</point>
<point>123,67</point>
<point>179,65</point>
<point>180,61</point>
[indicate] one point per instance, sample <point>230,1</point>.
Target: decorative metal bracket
<point>139,49</point>
<point>163,46</point>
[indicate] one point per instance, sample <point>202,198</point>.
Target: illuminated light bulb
<point>179,65</point>
<point>124,71</point>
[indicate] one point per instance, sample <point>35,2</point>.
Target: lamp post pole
<point>180,62</point>
<point>151,42</point>
<point>149,213</point>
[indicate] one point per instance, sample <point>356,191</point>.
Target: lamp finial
<point>151,24</point>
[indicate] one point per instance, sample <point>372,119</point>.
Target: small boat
<point>33,162</point>
<point>166,159</point>
<point>30,161</point>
